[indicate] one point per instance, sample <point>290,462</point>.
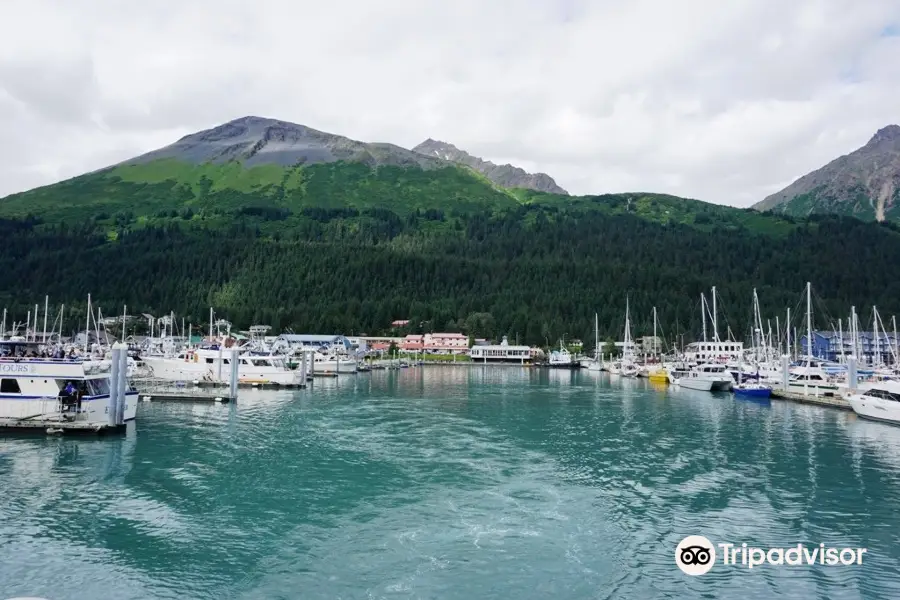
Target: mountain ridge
<point>507,175</point>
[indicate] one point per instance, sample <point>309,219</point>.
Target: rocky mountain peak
<point>864,183</point>
<point>503,175</point>
<point>890,133</point>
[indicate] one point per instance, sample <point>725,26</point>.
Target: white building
<point>502,352</point>
<point>700,352</point>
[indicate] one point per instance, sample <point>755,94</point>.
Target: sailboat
<point>809,378</point>
<point>597,363</point>
<point>657,374</point>
<point>626,367</point>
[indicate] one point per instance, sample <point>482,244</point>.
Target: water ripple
<point>452,482</point>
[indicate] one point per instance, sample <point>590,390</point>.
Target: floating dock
<point>835,401</point>
<point>57,426</point>
<point>200,391</point>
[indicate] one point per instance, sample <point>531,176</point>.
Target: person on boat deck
<point>69,390</point>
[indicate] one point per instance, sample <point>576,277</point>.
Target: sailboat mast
<point>596,338</point>
<point>627,349</point>
<point>787,344</point>
<point>703,313</point>
<point>46,308</point>
<point>654,332</point>
<point>87,327</point>
<point>894,319</point>
<point>875,336</point>
<point>809,341</point>
<point>714,317</point>
<point>841,338</point>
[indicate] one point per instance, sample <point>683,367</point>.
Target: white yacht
<point>810,379</point>
<point>209,364</point>
<point>707,378</point>
<point>55,389</point>
<point>880,402</point>
<point>334,363</point>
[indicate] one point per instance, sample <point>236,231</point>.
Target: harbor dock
<point>59,426</point>
<point>835,401</point>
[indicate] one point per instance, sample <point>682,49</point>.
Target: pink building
<point>413,343</point>
<point>436,342</point>
<point>446,342</point>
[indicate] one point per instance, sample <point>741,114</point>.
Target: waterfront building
<point>456,343</point>
<point>502,352</point>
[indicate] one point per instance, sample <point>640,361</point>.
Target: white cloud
<point>722,101</point>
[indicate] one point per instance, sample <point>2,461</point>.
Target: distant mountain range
<point>863,184</point>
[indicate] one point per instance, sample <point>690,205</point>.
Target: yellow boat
<point>658,376</point>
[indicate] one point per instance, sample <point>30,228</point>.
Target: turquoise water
<point>450,482</point>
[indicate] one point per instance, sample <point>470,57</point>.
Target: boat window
<point>884,395</point>
<point>9,386</point>
<point>98,387</point>
<point>209,361</point>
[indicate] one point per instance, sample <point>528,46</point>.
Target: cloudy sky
<point>725,101</point>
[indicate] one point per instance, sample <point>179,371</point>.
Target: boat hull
<point>700,385</point>
<point>886,411</point>
<point>93,408</point>
<point>760,393</point>
<point>175,370</point>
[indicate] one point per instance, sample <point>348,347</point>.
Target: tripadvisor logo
<point>696,555</point>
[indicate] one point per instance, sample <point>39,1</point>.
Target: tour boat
<point>881,402</point>
<point>213,365</point>
<point>35,388</point>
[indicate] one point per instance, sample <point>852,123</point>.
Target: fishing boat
<point>881,402</point>
<point>562,359</point>
<point>34,388</point>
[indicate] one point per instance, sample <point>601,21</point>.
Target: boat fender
<point>196,358</point>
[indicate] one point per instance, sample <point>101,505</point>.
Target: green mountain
<point>276,223</point>
<point>864,184</point>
